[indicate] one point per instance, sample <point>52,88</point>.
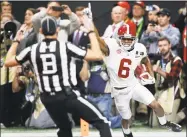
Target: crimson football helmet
<point>126,37</point>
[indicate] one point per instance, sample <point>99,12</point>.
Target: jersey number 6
<point>123,71</point>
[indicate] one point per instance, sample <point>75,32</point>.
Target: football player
<point>122,55</point>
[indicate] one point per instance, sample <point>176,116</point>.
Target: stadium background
<point>101,9</point>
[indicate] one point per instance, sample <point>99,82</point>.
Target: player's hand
<point>87,11</point>
<point>146,79</point>
<point>67,10</point>
<point>87,22</point>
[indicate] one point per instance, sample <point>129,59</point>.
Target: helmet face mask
<point>127,42</point>
<point>125,38</point>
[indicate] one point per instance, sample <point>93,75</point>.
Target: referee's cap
<point>48,25</point>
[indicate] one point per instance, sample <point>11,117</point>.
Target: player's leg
<point>126,127</point>
<point>56,109</point>
<point>159,111</point>
<point>143,95</point>
<point>87,111</point>
<point>122,102</point>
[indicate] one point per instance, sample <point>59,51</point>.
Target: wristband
<point>16,41</point>
<point>91,31</point>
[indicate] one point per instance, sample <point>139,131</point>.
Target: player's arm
<point>103,46</point>
<point>148,65</point>
<point>94,53</point>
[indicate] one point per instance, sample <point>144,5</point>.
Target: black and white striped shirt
<point>53,63</point>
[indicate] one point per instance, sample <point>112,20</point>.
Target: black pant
<point>11,113</point>
<point>59,105</point>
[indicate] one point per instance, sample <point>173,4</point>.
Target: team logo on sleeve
<point>118,51</point>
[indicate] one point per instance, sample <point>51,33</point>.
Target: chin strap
<point>130,49</point>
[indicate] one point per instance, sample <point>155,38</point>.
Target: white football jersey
<point>121,64</point>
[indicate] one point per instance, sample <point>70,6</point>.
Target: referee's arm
<point>88,54</point>
<point>14,60</point>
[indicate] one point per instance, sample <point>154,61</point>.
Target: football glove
<point>146,79</point>
<point>88,12</point>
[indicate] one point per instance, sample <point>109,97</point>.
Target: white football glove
<point>88,11</point>
<point>146,81</point>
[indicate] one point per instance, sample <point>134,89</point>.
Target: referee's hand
<point>87,22</point>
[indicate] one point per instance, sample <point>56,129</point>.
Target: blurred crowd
<point>20,102</point>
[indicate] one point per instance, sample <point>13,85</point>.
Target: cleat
<point>173,126</point>
<point>128,135</point>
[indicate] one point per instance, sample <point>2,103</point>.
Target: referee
<point>56,76</point>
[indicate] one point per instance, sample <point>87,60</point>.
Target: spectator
<point>67,26</point>
<point>184,39</point>
<point>6,7</point>
<point>152,13</point>
<point>127,20</point>
<point>27,30</point>
<point>164,28</point>
<point>138,12</point>
<point>28,26</point>
<point>25,81</point>
<point>118,16</point>
<point>168,70</point>
<point>5,17</point>
<point>5,44</point>
<point>182,114</point>
<point>9,110</point>
<point>180,22</point>
<point>181,25</point>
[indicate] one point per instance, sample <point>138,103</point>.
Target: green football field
<point>137,131</point>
